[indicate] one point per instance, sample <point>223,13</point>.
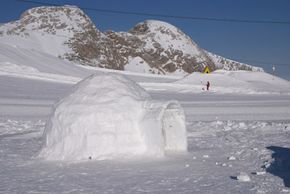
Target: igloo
<point>109,116</point>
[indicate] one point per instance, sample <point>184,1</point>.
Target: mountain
<point>150,46</point>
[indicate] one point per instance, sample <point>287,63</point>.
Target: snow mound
<point>109,116</point>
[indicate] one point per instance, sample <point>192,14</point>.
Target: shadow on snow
<point>281,164</point>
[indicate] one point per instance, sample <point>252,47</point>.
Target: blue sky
<point>268,43</point>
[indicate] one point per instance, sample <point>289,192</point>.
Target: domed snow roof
<point>110,116</point>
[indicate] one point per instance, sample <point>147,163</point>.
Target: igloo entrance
<point>166,121</point>
<point>172,126</point>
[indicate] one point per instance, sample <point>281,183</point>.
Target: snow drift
<point>109,116</point>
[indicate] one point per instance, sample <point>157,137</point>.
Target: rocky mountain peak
<point>64,20</point>
<point>172,49</point>
<point>162,32</point>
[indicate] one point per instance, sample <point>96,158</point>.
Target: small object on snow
<point>90,157</point>
<point>286,190</point>
<point>227,128</point>
<point>267,165</point>
<point>260,173</point>
<point>242,125</point>
<point>231,158</point>
<point>186,165</point>
<point>218,122</point>
<point>224,164</point>
<point>205,156</point>
<point>243,177</point>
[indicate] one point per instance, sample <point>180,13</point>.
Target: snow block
<point>109,116</point>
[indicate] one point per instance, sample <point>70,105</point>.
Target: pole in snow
<point>273,68</point>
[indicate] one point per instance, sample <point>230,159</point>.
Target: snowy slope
<point>31,63</point>
<point>38,60</point>
<point>246,82</point>
<point>23,62</point>
<point>228,64</point>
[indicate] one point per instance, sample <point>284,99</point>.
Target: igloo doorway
<point>166,122</point>
<point>173,129</point>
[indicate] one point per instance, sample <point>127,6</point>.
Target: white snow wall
<point>164,126</point>
<point>109,116</point>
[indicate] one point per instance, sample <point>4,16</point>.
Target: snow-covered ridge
<point>228,64</point>
<point>65,20</point>
<point>169,49</point>
<point>168,36</point>
<point>47,29</point>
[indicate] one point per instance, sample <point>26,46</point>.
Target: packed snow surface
<point>110,116</point>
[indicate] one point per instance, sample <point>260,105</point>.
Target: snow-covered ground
<point>238,133</point>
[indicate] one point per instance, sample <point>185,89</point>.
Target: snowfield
<point>237,132</point>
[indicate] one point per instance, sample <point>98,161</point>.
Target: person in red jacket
<point>207,85</point>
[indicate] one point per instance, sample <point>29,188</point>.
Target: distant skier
<point>207,85</point>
